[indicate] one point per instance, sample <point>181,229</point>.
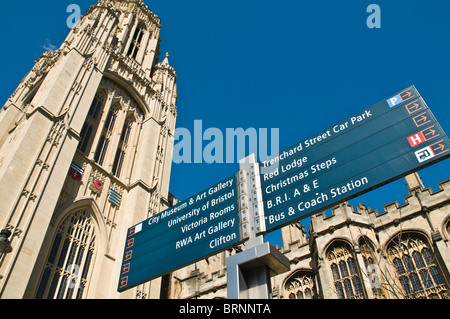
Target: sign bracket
<point>249,272</point>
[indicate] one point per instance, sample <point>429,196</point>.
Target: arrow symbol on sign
<point>431,131</point>
<point>441,147</point>
<point>408,94</point>
<point>423,118</point>
<point>413,106</point>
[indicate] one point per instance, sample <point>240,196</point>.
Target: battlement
<point>341,214</point>
<point>420,199</point>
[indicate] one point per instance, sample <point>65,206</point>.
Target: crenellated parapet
<point>367,239</point>
<point>419,200</point>
<point>341,215</point>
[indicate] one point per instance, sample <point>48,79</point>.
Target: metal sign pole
<point>249,272</point>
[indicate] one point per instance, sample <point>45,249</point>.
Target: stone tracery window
<point>372,269</point>
<point>416,268</point>
<point>111,128</point>
<point>344,270</point>
<point>92,120</point>
<point>448,228</point>
<point>122,147</point>
<point>105,138</point>
<point>301,285</point>
<point>136,42</point>
<point>68,266</point>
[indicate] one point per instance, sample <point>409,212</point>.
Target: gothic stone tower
<point>85,152</point>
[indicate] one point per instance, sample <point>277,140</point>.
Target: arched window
<point>106,135</point>
<point>416,268</point>
<point>67,270</point>
<point>372,269</point>
<point>448,228</point>
<point>111,128</point>
<point>301,285</point>
<point>136,42</point>
<point>91,123</point>
<point>122,147</point>
<point>344,270</point>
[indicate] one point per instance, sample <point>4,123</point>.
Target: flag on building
<point>114,197</point>
<point>75,171</point>
<point>96,185</point>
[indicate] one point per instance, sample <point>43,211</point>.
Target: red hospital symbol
<point>424,135</point>
<point>416,139</point>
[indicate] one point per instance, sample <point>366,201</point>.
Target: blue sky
<point>299,66</point>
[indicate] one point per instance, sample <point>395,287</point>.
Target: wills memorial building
<point>86,144</point>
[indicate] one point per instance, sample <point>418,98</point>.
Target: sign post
<point>382,143</point>
<point>196,228</point>
<point>249,272</point>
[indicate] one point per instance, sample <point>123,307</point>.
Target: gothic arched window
<point>122,147</point>
<point>301,285</point>
<point>416,268</point>
<point>106,135</point>
<point>67,270</point>
<point>91,123</point>
<point>136,42</point>
<point>372,269</point>
<point>343,267</point>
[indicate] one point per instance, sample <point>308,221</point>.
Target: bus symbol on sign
<point>430,151</point>
<point>424,154</point>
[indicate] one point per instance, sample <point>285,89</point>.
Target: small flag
<point>75,171</point>
<point>96,185</point>
<point>114,197</point>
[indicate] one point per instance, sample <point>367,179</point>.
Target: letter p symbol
<point>393,101</point>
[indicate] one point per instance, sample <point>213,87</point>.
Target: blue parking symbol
<point>393,101</point>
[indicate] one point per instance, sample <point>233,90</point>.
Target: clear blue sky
<point>299,66</point>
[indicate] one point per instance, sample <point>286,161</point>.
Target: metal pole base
<point>249,272</point>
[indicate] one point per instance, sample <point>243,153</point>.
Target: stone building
<point>353,253</point>
<point>86,150</point>
<point>86,146</point>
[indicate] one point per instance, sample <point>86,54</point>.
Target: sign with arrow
<point>202,225</point>
<point>377,145</point>
<point>380,144</point>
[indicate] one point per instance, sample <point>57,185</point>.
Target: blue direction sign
<point>200,226</point>
<point>382,143</point>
